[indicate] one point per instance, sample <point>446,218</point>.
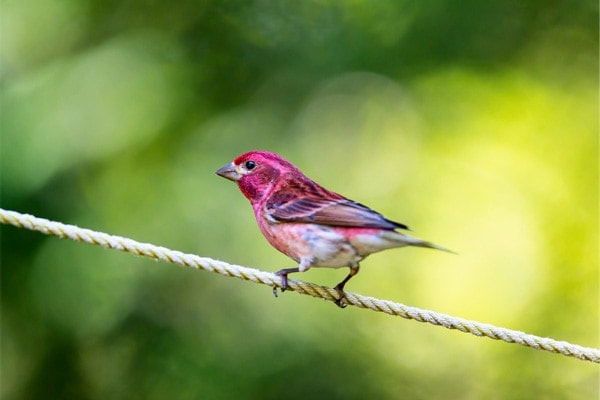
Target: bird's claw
<point>284,282</point>
<point>341,301</point>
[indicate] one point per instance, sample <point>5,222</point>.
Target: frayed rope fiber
<point>267,278</point>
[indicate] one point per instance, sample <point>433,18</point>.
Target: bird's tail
<point>416,242</point>
<point>413,241</point>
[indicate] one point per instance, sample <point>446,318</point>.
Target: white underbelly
<point>330,248</point>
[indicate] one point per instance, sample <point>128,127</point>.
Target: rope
<point>267,278</point>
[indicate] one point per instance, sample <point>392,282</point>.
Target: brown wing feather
<point>319,206</point>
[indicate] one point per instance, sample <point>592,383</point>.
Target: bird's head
<point>256,172</point>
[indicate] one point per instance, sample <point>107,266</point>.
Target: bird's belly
<point>323,245</point>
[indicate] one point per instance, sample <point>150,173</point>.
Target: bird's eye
<point>249,165</point>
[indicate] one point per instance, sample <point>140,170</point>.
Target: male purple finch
<point>310,224</point>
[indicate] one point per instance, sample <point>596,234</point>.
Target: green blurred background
<point>475,123</point>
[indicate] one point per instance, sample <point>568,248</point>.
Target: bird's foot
<point>283,273</point>
<point>283,277</point>
<point>341,301</point>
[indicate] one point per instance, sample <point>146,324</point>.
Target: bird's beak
<point>229,172</point>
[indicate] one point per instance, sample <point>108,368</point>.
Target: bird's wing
<point>326,208</point>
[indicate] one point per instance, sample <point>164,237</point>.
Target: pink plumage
<point>310,224</point>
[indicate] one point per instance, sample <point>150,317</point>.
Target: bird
<point>310,224</point>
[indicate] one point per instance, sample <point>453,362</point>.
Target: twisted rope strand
<point>267,278</point>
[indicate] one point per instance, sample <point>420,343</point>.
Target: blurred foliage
<point>476,123</point>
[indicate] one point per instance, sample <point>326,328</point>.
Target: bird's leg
<point>305,264</point>
<point>339,288</point>
<point>283,273</point>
